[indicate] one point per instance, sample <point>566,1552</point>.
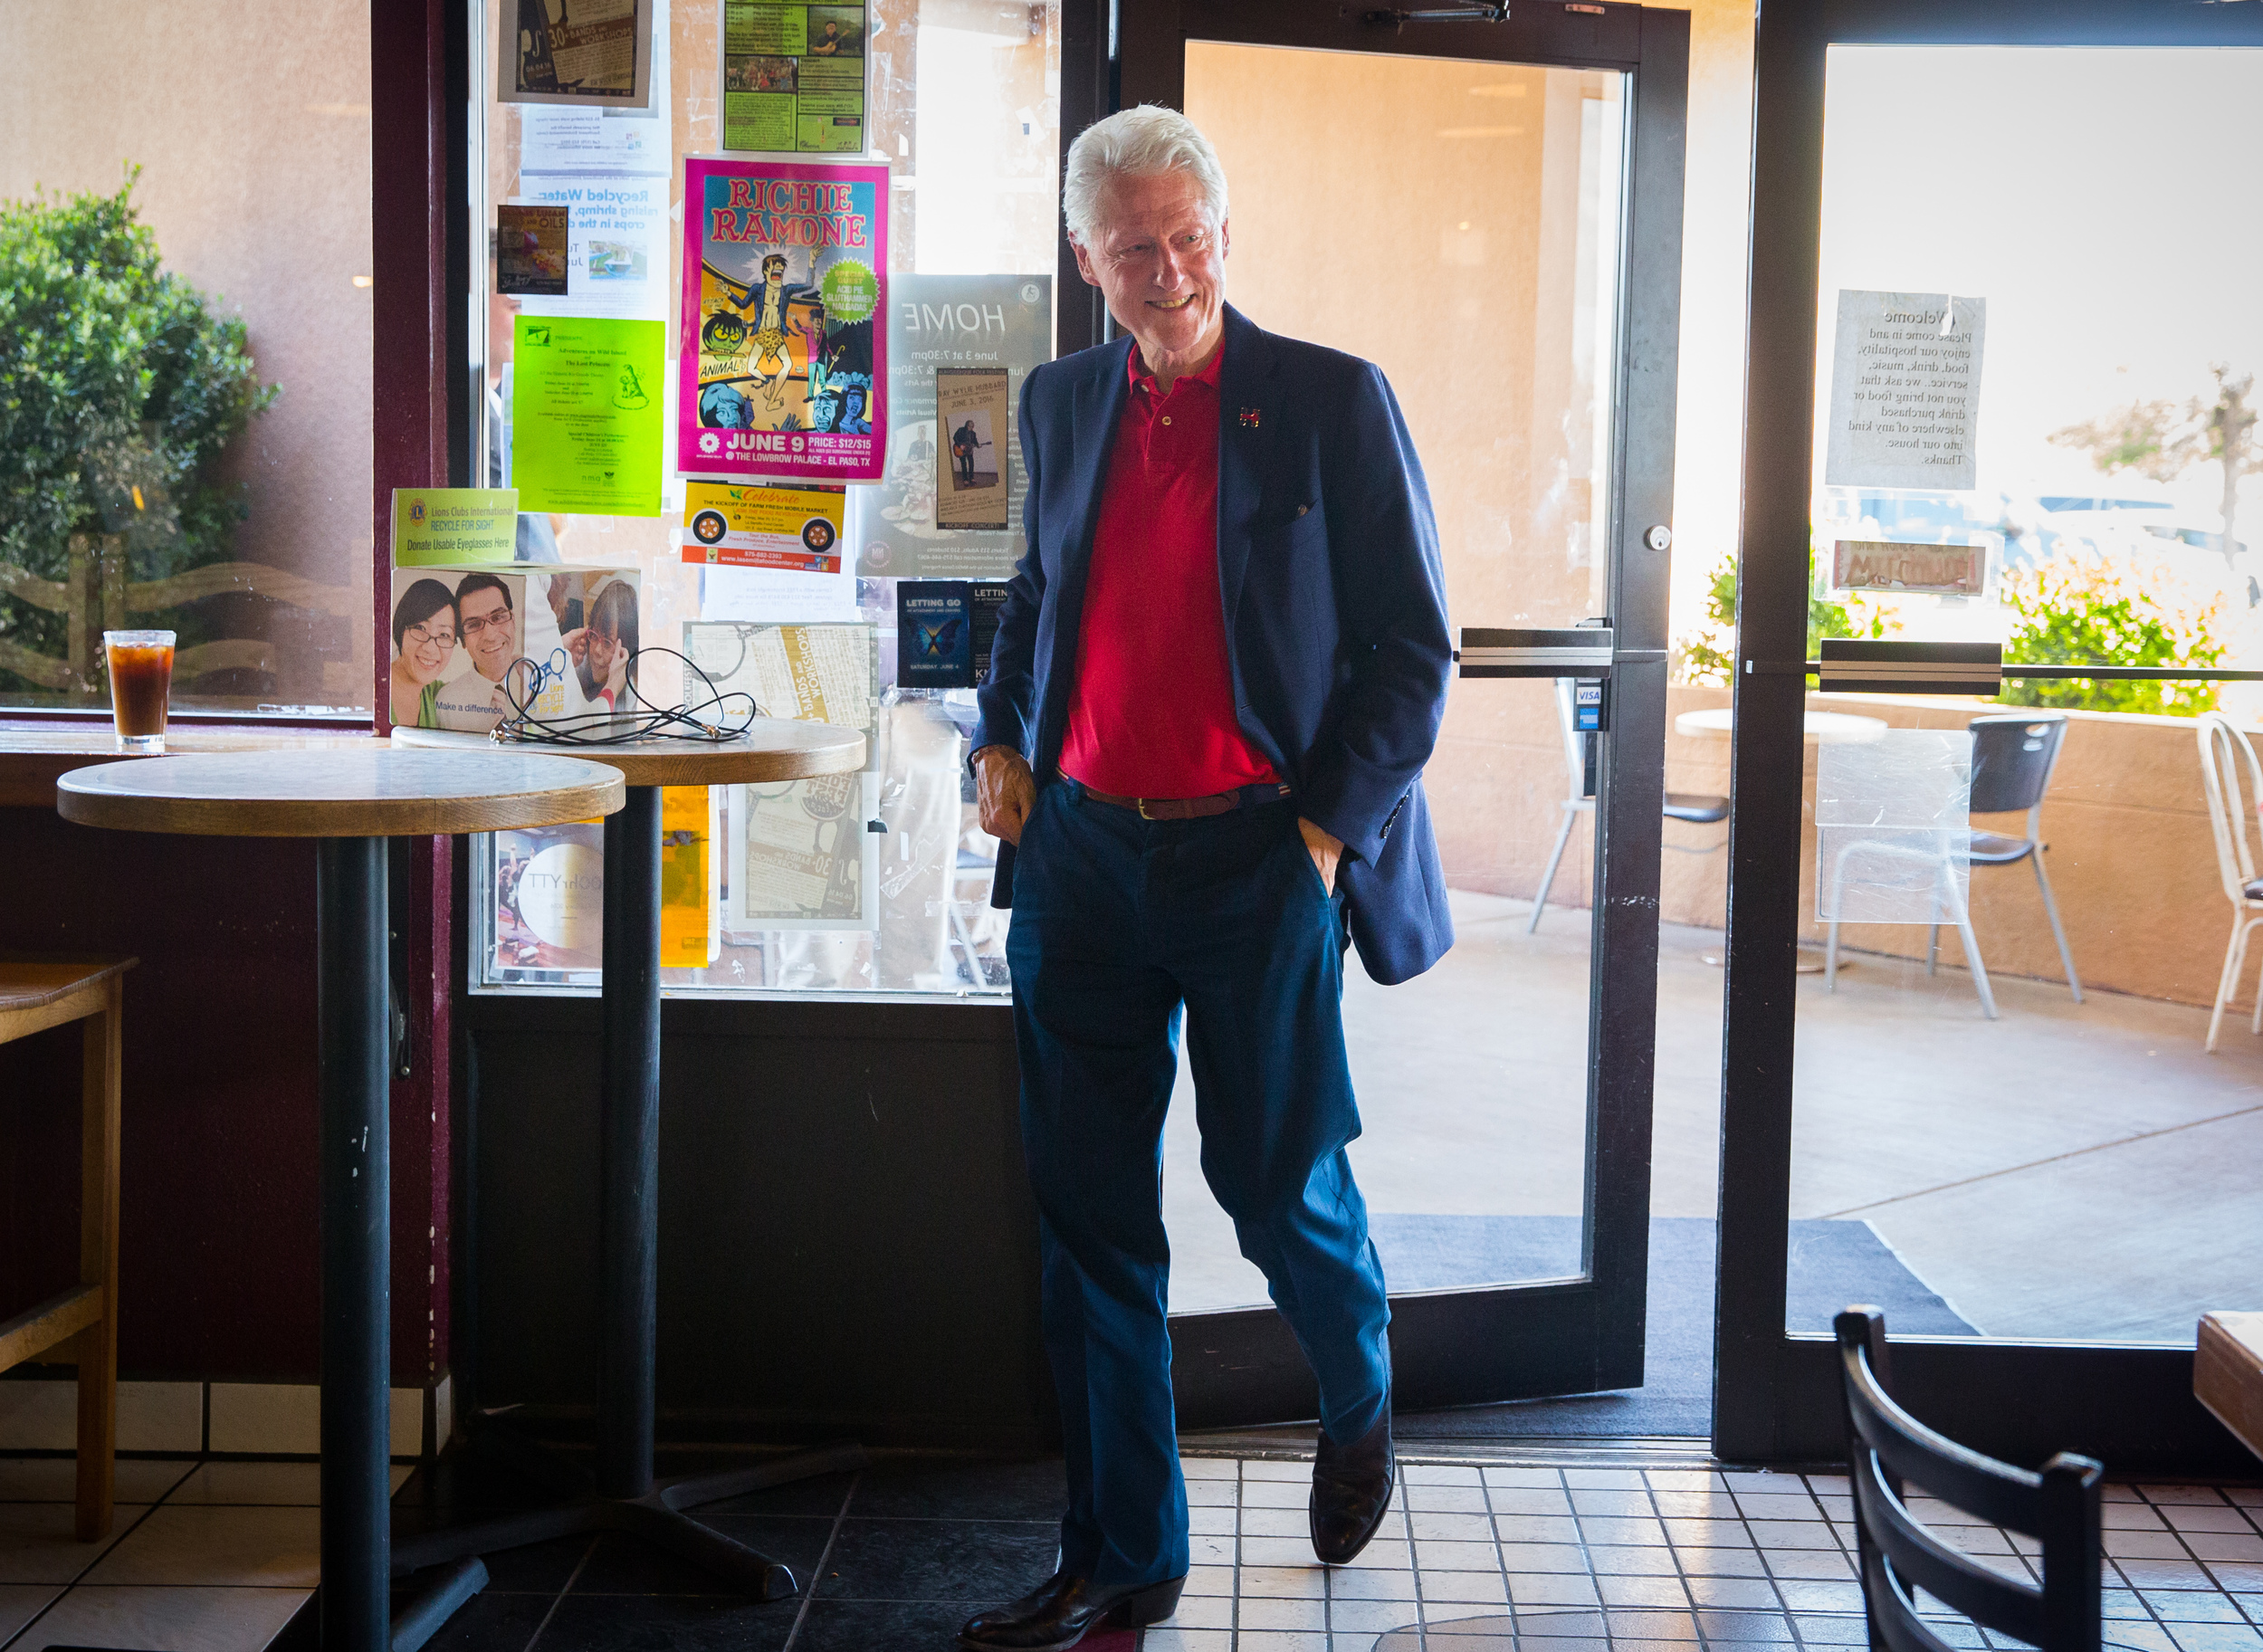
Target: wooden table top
<point>32,758</point>
<point>376,792</point>
<point>774,749</point>
<point>2228,1373</point>
<point>32,981</point>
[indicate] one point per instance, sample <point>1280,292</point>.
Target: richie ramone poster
<point>783,357</point>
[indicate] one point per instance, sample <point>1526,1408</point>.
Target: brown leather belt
<point>1176,808</point>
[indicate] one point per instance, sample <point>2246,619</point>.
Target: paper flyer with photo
<point>585,414</point>
<point>958,322</point>
<point>782,360</point>
<point>794,76</point>
<point>738,525</point>
<point>814,674</point>
<point>530,250</point>
<point>802,856</point>
<point>471,645</point>
<point>973,412</point>
<point>548,888</point>
<point>614,244</point>
<point>590,53</point>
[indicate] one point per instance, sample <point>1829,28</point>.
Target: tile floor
<point>1560,1554</point>
<point>202,1557</point>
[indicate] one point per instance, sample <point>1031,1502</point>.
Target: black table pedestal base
<point>658,1517</point>
<point>622,1496</point>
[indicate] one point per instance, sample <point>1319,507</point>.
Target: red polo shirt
<point>1152,714</point>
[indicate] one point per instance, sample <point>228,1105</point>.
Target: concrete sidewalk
<point>2068,1172</point>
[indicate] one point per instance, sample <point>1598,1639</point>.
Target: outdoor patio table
<point>1824,728</point>
<point>351,801</point>
<point>624,1495</point>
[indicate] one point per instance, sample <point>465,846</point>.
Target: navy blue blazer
<point>1334,602</point>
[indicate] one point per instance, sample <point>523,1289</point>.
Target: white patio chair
<point>2229,811</point>
<point>1695,809</point>
<point>1937,860</point>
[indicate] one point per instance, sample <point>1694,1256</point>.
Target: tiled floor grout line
<point>809,1589</point>
<point>564,1590</point>
<point>1414,1560</point>
<point>78,1576</point>
<point>2207,1570</point>
<point>1587,1556</point>
<point>1838,1545</point>
<point>2153,1613</point>
<point>1500,1552</point>
<point>1759,1554</point>
<point>1674,1550</point>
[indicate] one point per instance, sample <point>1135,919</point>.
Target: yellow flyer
<point>690,880</point>
<point>727,525</point>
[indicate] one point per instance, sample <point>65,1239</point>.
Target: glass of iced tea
<point>141,681</point>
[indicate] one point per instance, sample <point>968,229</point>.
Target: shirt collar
<point>1141,379</point>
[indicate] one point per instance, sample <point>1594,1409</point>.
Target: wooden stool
<point>36,994</point>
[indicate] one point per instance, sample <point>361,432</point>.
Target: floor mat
<point>1832,1264</point>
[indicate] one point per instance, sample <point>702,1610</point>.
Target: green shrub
<point>2089,611</point>
<point>1710,656</point>
<point>119,390</point>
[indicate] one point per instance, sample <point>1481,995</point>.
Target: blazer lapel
<point>1248,415</point>
<point>1097,405</point>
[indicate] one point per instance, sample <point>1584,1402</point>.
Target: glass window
<point>2033,428</point>
<point>1509,182</point>
<point>184,251</point>
<point>888,872</point>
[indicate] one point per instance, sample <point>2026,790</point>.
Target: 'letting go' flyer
<point>782,362</point>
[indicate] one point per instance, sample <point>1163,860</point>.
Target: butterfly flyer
<point>944,629</point>
<point>783,357</point>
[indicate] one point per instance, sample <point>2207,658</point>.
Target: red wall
<point>217,1278</point>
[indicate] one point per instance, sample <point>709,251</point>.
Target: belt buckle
<point>1141,804</point>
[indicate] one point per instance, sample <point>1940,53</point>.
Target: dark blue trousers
<point>1118,922</point>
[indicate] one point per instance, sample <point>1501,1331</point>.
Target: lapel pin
<point>1249,417</point>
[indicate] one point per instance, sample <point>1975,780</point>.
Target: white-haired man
<point>1215,683</point>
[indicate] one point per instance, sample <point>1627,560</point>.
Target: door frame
<point>1559,1337</point>
<point>1776,1395</point>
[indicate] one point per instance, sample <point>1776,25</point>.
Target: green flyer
<point>586,415</point>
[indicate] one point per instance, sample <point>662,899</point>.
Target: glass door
<point>1468,202</point>
<point>2001,404</point>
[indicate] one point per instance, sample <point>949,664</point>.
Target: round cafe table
<point>1823,728</point>
<point>625,1496</point>
<point>351,801</point>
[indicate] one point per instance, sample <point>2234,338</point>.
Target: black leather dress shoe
<point>1061,1610</point>
<point>1351,1488</point>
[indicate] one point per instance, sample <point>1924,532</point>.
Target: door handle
<point>1582,651</point>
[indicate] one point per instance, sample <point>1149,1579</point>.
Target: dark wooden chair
<point>1886,1448</point>
<point>35,994</point>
